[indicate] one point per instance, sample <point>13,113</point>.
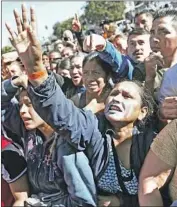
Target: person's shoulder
<point>172,126</point>
<point>171,71</point>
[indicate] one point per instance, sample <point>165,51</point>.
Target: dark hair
<point>69,48</point>
<point>167,13</point>
<point>54,51</point>
<point>78,54</point>
<point>138,31</point>
<point>94,56</point>
<point>121,35</point>
<point>147,100</point>
<point>148,13</point>
<point>45,53</point>
<point>64,64</point>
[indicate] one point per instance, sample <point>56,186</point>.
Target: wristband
<point>37,75</point>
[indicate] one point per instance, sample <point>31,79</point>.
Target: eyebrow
<point>76,65</point>
<point>162,29</point>
<point>123,91</point>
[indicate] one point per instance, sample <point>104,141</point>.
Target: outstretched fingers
<point>76,17</point>
<point>18,21</point>
<point>33,19</point>
<point>12,33</point>
<point>24,17</point>
<point>32,37</point>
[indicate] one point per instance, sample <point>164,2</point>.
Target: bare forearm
<point>149,84</point>
<point>150,199</point>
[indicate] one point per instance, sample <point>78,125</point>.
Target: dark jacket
<point>65,177</point>
<point>81,127</point>
<point>70,90</point>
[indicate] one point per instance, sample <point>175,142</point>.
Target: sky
<point>48,13</point>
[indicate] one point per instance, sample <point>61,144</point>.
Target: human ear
<point>143,113</point>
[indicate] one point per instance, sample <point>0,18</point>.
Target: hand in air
<point>25,41</point>
<point>152,64</point>
<point>168,109</point>
<point>76,25</point>
<point>94,42</point>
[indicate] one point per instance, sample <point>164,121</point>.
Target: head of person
<point>154,42</point>
<point>96,73</point>
<point>67,36</point>
<point>76,71</point>
<point>164,29</point>
<point>15,68</point>
<point>54,58</point>
<point>67,52</point>
<point>144,20</point>
<point>120,42</point>
<point>27,113</point>
<point>12,64</point>
<point>64,68</point>
<point>59,46</point>
<point>45,60</point>
<point>138,44</point>
<point>129,103</point>
<point>111,30</point>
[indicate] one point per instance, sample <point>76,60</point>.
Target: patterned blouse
<point>109,180</point>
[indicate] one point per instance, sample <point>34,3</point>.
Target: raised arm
<point>162,155</point>
<point>121,65</point>
<point>47,98</point>
<point>77,28</point>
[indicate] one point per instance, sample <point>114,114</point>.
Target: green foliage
<point>60,27</point>
<point>6,49</point>
<point>96,11</point>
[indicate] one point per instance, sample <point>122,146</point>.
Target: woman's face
<point>94,77</point>
<point>29,116</point>
<point>76,71</point>
<point>45,60</point>
<point>124,104</point>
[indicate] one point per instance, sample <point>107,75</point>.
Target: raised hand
<point>152,63</point>
<point>76,25</point>
<point>26,42</point>
<point>94,42</point>
<point>168,109</point>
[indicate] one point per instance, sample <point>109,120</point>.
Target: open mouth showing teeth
<point>116,108</point>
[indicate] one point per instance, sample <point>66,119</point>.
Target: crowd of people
<point>94,121</point>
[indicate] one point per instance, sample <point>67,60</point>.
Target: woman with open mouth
<point>115,153</point>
